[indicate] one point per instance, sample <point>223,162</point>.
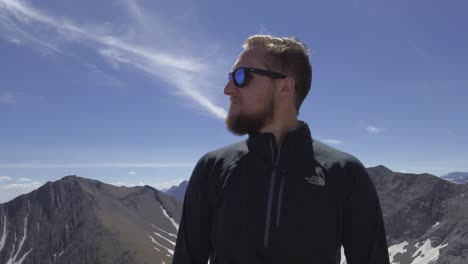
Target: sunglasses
<point>239,76</point>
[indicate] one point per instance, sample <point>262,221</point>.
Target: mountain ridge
<point>456,177</point>
<point>79,220</point>
<point>178,191</point>
<point>423,211</point>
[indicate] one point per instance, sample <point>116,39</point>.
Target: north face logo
<point>316,180</point>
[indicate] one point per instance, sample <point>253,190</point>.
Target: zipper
<point>280,198</point>
<point>270,194</point>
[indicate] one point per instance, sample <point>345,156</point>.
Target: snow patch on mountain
<point>174,223</point>
<point>171,252</point>
<point>161,236</point>
<point>170,234</point>
<point>395,249</point>
<point>4,234</point>
<point>58,254</point>
<point>426,253</point>
<point>14,256</point>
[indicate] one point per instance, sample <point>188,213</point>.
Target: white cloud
<point>7,98</point>
<point>370,128</point>
<point>132,173</point>
<point>97,165</point>
<point>332,141</point>
<point>28,185</point>
<point>11,191</point>
<point>24,179</point>
<point>136,12</point>
<point>5,178</point>
<point>186,74</point>
<point>14,40</point>
<point>373,129</point>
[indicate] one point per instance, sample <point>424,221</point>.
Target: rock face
<point>456,177</point>
<point>426,218</point>
<point>178,192</point>
<point>76,220</point>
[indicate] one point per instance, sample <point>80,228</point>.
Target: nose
<point>230,88</point>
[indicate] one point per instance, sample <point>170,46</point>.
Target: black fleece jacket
<point>256,202</point>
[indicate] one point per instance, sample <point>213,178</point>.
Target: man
<point>279,196</point>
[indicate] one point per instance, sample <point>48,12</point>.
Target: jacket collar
<point>296,142</point>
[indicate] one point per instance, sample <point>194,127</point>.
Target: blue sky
<point>131,91</point>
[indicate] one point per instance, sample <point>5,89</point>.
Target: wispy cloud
<point>132,173</point>
<point>13,190</point>
<point>181,72</point>
<point>370,128</point>
<point>332,141</point>
<point>136,12</point>
<point>7,98</point>
<point>97,165</point>
<point>373,129</point>
<point>5,178</point>
<point>156,185</point>
<point>25,180</point>
<point>19,186</point>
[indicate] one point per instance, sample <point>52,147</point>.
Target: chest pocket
<point>310,216</point>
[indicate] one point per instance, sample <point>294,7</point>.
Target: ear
<point>288,86</point>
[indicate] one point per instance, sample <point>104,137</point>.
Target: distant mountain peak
<point>178,192</point>
<point>380,168</point>
<point>456,177</point>
<point>78,220</point>
<point>71,178</point>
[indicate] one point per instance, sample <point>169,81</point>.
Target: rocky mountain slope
<point>178,191</point>
<point>76,220</point>
<point>426,218</point>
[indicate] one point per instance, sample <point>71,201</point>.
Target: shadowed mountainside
<point>76,220</point>
<point>424,216</point>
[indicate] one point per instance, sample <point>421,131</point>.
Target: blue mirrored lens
<point>239,77</point>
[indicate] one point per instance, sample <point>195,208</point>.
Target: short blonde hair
<point>288,56</point>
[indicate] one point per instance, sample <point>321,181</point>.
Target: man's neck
<point>279,130</point>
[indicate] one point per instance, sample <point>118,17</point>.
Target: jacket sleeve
<point>193,243</point>
<point>364,238</point>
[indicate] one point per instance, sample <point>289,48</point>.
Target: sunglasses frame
<point>273,75</point>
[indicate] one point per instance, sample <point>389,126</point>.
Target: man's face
<point>252,106</point>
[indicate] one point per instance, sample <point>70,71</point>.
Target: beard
<point>242,123</point>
